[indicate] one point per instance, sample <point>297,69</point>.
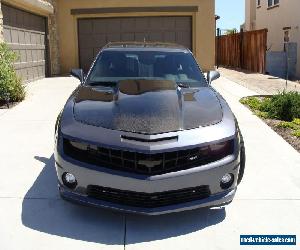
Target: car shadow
<point>43,210</point>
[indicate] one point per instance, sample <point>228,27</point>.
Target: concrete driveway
<point>32,215</point>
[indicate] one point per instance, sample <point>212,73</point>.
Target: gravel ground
<point>285,133</point>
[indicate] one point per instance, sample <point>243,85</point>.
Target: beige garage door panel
<point>25,33</point>
<point>95,33</point>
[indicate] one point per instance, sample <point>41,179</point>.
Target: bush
<point>297,133</point>
<point>284,106</point>
<point>296,121</point>
<point>11,87</point>
<point>289,125</point>
<point>253,102</point>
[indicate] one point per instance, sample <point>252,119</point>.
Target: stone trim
<point>1,25</point>
<point>54,40</point>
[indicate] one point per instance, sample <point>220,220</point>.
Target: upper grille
<point>147,164</point>
<point>148,200</point>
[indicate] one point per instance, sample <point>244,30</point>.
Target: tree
<point>231,31</point>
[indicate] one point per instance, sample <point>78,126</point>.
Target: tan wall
<point>250,14</point>
<point>1,24</point>
<point>275,19</point>
<point>203,26</point>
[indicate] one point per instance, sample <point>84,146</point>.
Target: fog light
<point>69,180</point>
<point>227,181</point>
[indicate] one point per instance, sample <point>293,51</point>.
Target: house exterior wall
<point>286,14</point>
<point>1,24</point>
<point>250,15</point>
<point>203,25</point>
<point>40,7</point>
<point>46,8</point>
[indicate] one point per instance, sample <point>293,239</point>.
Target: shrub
<point>289,125</point>
<point>296,121</point>
<point>284,106</point>
<point>11,87</point>
<point>253,102</point>
<point>297,133</point>
<point>265,104</point>
<point>261,114</point>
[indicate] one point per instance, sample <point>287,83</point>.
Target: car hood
<point>147,107</point>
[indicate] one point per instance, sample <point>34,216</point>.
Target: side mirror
<point>78,73</point>
<point>212,75</point>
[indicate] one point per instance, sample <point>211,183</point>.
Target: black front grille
<point>148,200</point>
<point>146,164</point>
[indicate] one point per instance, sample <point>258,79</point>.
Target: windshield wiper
<point>106,84</point>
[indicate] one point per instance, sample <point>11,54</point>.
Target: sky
<point>232,13</point>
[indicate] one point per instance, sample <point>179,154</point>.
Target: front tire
<point>242,164</point>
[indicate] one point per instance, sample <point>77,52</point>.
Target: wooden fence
<point>244,50</point>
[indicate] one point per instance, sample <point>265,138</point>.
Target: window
<point>286,36</point>
<point>113,66</point>
<point>258,2</point>
<point>272,2</point>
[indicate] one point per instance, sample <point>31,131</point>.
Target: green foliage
<point>297,121</point>
<point>289,125</point>
<point>261,114</point>
<point>252,102</point>
<point>231,31</point>
<point>10,84</point>
<point>297,133</point>
<point>283,106</point>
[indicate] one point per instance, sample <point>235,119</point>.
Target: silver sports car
<point>146,133</point>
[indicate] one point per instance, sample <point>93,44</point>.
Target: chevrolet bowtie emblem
<point>149,163</point>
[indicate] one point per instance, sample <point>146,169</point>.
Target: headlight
<point>222,149</point>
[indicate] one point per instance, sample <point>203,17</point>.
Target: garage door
<point>95,33</point>
<point>25,33</point>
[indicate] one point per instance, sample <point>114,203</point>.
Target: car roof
<point>145,46</point>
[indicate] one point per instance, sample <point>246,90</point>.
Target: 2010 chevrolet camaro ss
<point>146,133</point>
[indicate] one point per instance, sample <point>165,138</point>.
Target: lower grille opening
<point>148,200</point>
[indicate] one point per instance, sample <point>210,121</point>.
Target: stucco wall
<point>250,14</point>
<point>203,26</point>
<point>275,19</point>
<point>1,24</point>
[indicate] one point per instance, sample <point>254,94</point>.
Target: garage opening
<point>94,33</point>
<point>25,33</point>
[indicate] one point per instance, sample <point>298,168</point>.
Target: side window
<point>272,2</point>
<point>286,36</point>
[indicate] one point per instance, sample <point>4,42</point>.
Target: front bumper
<point>209,174</point>
<point>220,199</point>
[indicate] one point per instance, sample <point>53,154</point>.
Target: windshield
<point>113,66</point>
